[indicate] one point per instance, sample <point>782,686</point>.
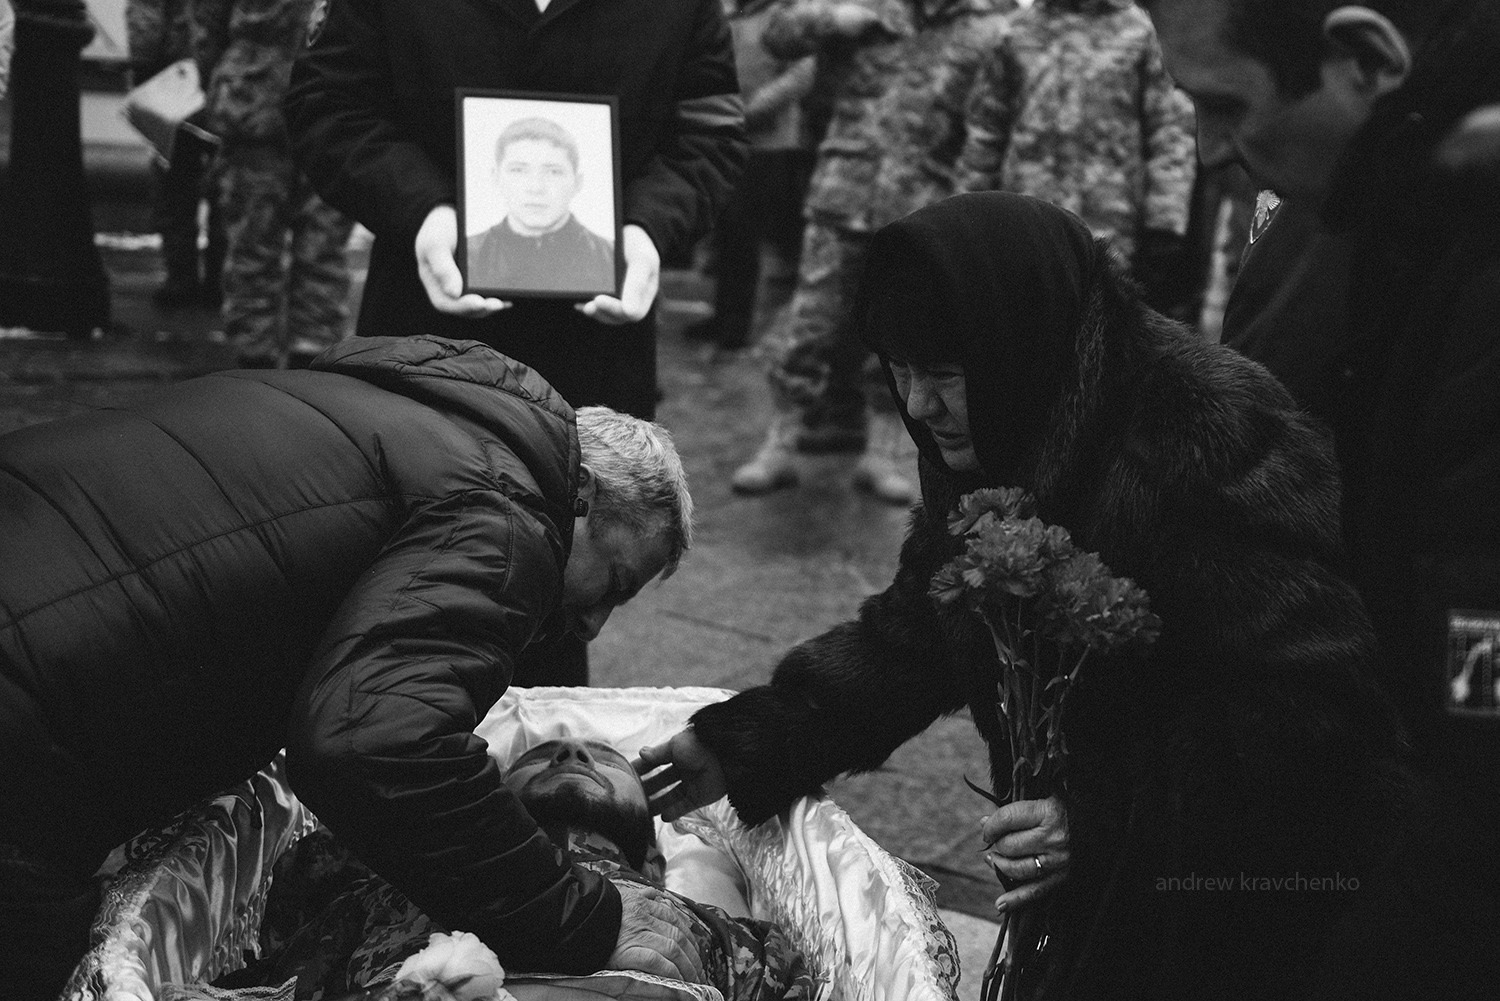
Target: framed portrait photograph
<point>539,195</point>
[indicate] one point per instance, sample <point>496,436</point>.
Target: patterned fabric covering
<point>363,934</point>
<point>184,902</point>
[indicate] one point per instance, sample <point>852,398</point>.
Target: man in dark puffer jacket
<point>345,562</point>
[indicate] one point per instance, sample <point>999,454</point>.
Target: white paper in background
<point>110,44</point>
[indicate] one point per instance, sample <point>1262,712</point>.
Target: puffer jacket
<point>345,562</point>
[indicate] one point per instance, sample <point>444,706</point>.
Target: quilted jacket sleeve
<point>382,745</point>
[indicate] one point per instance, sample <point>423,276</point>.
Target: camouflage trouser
<point>286,281</point>
<point>818,366</point>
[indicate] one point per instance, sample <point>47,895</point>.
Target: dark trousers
<point>766,207</point>
<point>180,187</point>
<point>45,914</point>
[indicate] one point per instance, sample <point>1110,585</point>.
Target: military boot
<point>775,465</point>
<point>881,470</point>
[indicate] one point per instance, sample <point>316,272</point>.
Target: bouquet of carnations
<point>1049,607</point>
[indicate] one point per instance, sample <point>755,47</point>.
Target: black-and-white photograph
<point>1474,663</point>
<point>538,195</point>
<point>781,500</point>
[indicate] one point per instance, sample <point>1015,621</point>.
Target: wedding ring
<point>1038,860</point>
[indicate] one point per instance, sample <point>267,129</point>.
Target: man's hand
<point>692,776</point>
<point>638,291</point>
<point>1473,144</point>
<point>1018,837</point>
<point>655,936</point>
<point>436,242</point>
<point>853,19</point>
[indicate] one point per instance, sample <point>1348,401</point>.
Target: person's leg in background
<point>735,254</point>
<point>258,183</point>
<point>740,241</point>
<point>783,193</point>
<point>818,376</point>
<point>217,243</point>
<point>177,190</point>
<point>797,353</point>
<point>886,466</point>
<point>317,297</point>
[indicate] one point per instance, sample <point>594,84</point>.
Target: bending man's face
<point>537,182</point>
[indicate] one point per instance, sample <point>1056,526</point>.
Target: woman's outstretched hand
<point>689,776</point>
<point>1026,843</point>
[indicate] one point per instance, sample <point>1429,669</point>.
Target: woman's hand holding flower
<point>1018,836</point>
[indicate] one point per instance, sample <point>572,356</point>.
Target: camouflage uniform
<point>286,281</point>
<point>1074,107</point>
<point>159,33</point>
<point>896,127</point>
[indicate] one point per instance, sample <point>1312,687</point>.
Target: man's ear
<point>1378,48</point>
<point>588,483</point>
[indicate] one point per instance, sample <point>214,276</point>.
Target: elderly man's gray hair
<point>639,479</point>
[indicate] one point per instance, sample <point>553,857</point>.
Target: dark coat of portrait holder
<point>570,261</point>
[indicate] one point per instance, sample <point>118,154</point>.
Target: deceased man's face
<point>592,767</point>
<point>588,785</point>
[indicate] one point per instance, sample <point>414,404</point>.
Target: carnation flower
<point>458,967</point>
<point>1047,606</point>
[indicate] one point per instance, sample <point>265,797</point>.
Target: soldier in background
<point>280,309</point>
<point>159,35</point>
<point>899,72</point>
<point>7,43</point>
<point>1074,107</point>
<point>767,204</point>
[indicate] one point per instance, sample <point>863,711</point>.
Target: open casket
<point>184,903</point>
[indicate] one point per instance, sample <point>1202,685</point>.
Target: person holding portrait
<point>371,110</point>
<point>372,115</point>
<point>539,243</point>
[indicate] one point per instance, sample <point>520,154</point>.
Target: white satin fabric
<point>184,904</point>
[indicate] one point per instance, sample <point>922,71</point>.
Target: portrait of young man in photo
<point>539,245</point>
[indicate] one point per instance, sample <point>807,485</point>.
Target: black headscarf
<point>997,283</point>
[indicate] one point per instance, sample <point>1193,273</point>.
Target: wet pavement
<point>763,574</point>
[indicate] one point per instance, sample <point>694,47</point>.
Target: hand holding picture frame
<point>539,194</point>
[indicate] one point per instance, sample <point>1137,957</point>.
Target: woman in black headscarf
<point>1247,742</point>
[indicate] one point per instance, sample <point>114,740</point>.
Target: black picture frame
<point>525,253</point>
